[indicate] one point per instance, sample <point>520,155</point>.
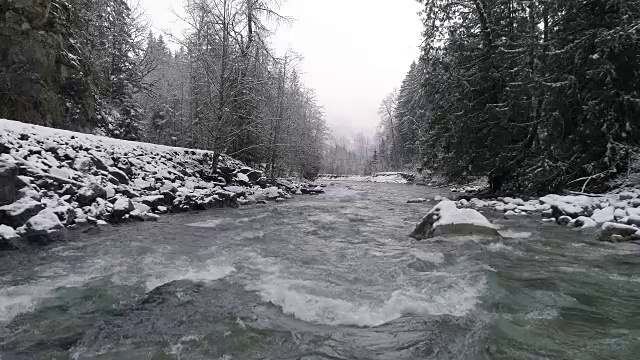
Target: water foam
<point>209,273</point>
<point>208,224</point>
<point>511,234</point>
<point>432,257</point>
<point>19,299</point>
<point>300,299</point>
<point>498,246</point>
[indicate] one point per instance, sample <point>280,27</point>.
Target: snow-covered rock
<point>142,208</point>
<point>17,213</point>
<point>43,228</point>
<point>122,207</point>
<point>446,219</point>
<point>85,179</point>
<point>9,238</point>
<point>88,194</point>
<point>602,216</point>
<point>614,232</point>
<point>632,219</point>
<point>270,193</point>
<point>119,175</point>
<point>584,222</point>
<point>153,201</point>
<point>243,179</point>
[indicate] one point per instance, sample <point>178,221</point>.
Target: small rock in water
<point>146,216</point>
<point>584,222</point>
<point>417,201</point>
<point>564,220</point>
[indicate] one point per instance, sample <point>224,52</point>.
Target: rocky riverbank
<point>383,177</point>
<point>616,215</point>
<point>52,180</point>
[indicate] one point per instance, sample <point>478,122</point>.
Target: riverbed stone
<point>88,194</point>
<point>8,182</point>
<point>17,213</point>
<point>9,238</point>
<point>122,207</point>
<point>43,228</point>
<point>84,165</point>
<point>445,219</point>
<point>254,175</point>
<point>614,232</point>
<point>119,175</point>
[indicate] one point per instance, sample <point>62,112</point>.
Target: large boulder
<point>446,219</point>
<point>88,194</point>
<point>9,238</point>
<point>270,193</point>
<point>125,166</point>
<point>16,214</point>
<point>254,175</point>
<point>65,213</point>
<point>8,182</point>
<point>614,232</point>
<point>43,228</point>
<point>84,165</point>
<point>153,201</point>
<point>119,175</point>
<point>242,179</point>
<point>122,207</point>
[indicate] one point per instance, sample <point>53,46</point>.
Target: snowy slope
<point>86,179</point>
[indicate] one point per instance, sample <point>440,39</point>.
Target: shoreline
<point>53,180</point>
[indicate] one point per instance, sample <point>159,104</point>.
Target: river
<point>333,276</point>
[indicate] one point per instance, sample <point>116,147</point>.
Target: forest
<point>94,66</point>
<point>537,95</point>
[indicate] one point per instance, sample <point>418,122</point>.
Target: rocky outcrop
<point>84,179</point>
<point>446,219</point>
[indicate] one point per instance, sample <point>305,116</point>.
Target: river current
<point>333,276</point>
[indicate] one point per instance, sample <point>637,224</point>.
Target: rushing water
<point>326,277</point>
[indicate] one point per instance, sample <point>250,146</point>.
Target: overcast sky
<point>355,51</point>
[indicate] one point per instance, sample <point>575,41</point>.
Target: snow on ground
<point>579,211</point>
<point>51,179</point>
<point>449,214</point>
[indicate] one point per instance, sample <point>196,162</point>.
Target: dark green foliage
<point>538,95</point>
<point>69,64</point>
